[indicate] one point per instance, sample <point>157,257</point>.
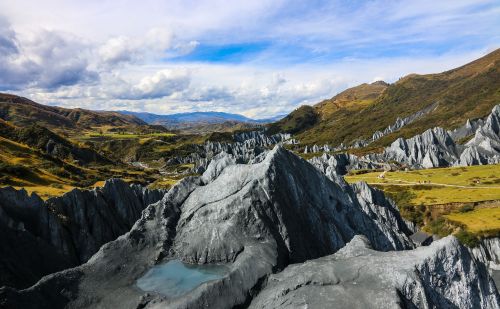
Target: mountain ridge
<point>190,120</point>
<point>466,92</point>
<point>22,111</point>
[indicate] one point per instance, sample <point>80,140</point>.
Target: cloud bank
<point>258,58</point>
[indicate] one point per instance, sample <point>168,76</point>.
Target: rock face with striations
<point>258,217</point>
<point>64,231</point>
<point>434,148</point>
<point>246,147</point>
<point>484,147</point>
<point>443,275</point>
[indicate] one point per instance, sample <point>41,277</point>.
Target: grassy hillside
<point>469,91</point>
<point>300,120</point>
<point>41,161</point>
<point>444,200</point>
<point>23,112</point>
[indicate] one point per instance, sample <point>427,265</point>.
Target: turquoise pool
<point>176,278</point>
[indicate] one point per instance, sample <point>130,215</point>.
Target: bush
<point>468,239</point>
<point>58,171</point>
<point>466,208</point>
<point>440,227</point>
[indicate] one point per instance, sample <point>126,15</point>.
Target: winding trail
<point>412,183</point>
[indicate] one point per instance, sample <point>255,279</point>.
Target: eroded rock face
<point>484,147</point>
<point>258,217</point>
<point>433,148</point>
<point>488,252</point>
<point>443,275</point>
<point>245,148</point>
<point>397,125</point>
<point>341,163</point>
<point>468,129</point>
<point>64,231</point>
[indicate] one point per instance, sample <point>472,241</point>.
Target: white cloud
<point>101,55</point>
<point>162,84</point>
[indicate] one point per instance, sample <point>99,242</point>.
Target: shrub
<point>468,239</point>
<point>466,208</point>
<point>439,226</point>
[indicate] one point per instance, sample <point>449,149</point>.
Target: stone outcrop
<point>64,231</point>
<point>434,148</point>
<point>484,147</point>
<point>468,129</point>
<point>397,125</point>
<point>488,252</point>
<point>437,147</point>
<point>258,217</point>
<point>340,164</point>
<point>442,275</point>
<point>246,146</point>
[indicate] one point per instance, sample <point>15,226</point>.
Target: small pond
<point>176,278</point>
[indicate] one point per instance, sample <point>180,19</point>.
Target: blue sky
<point>258,58</point>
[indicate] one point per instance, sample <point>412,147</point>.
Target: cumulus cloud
<point>46,60</point>
<point>122,49</point>
<point>297,52</point>
<point>162,84</point>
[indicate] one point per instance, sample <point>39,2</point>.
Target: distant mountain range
<point>197,119</point>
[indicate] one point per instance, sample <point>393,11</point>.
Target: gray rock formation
<point>436,147</point>
<point>401,122</point>
<point>64,231</point>
<point>433,148</point>
<point>466,130</point>
<point>443,275</point>
<point>257,217</point>
<point>488,252</point>
<point>246,146</point>
<point>397,125</point>
<point>484,147</point>
<point>341,163</point>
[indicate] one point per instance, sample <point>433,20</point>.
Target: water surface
<point>176,278</point>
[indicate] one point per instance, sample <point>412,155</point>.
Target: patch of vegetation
<point>440,227</point>
<point>478,221</point>
<point>467,238</point>
<point>466,208</point>
<point>298,121</point>
<point>14,169</point>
